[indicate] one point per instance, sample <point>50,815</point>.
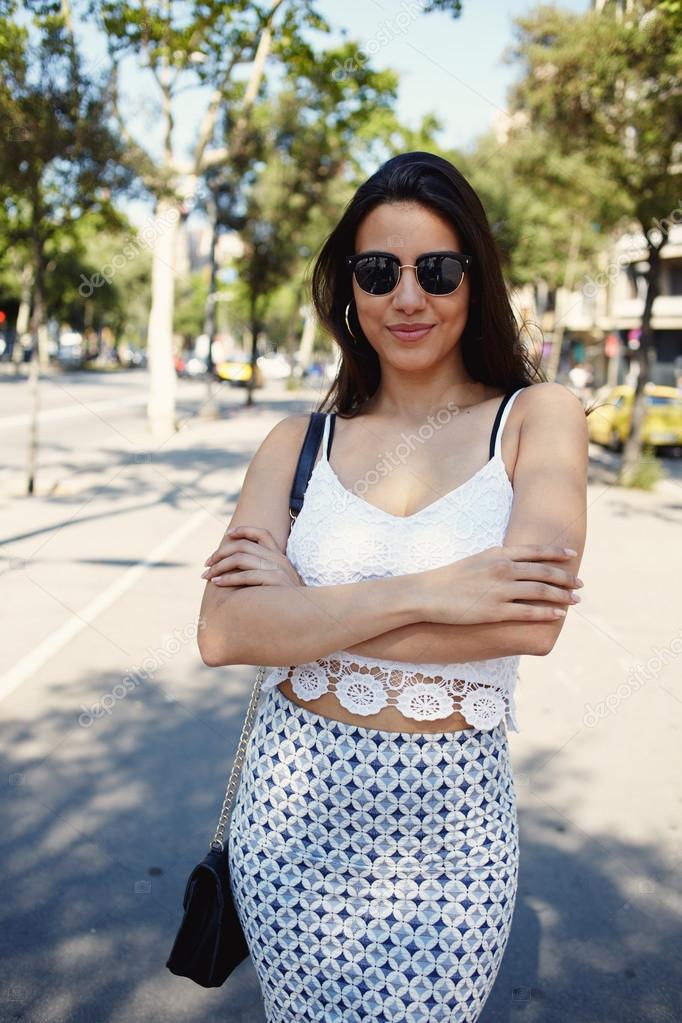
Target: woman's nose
<point>408,293</point>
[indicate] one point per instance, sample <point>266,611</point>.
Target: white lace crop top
<point>338,537</point>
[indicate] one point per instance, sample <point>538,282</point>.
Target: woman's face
<point>407,230</point>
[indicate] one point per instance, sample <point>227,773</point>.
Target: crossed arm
<point>271,624</point>
<point>550,506</point>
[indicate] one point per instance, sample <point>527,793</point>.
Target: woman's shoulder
<point>284,441</point>
<point>292,427</point>
<point>264,496</point>
<point>549,411</point>
<point>548,394</point>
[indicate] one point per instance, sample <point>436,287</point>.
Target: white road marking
<point>50,646</point>
<point>77,409</point>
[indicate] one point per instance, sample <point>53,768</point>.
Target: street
<point>113,791</point>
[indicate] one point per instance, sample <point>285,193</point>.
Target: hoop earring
<point>355,340</point>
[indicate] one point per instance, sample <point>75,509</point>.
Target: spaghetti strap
<point>500,420</point>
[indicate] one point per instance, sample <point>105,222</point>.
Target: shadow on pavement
<point>99,835</point>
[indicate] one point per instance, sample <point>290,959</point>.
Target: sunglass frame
<point>461,257</point>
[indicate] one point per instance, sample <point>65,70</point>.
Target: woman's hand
<point>485,586</point>
<point>249,556</point>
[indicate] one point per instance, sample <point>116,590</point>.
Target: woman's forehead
<point>406,230</point>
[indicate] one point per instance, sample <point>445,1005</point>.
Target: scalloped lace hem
<point>366,686</point>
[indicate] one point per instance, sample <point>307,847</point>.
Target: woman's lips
<point>411,333</point>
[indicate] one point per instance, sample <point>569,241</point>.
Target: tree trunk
<point>305,352</point>
<point>209,409</point>
<point>568,283</point>
<point>632,451</point>
<point>255,331</point>
<point>33,378</point>
<point>162,379</point>
<point>39,358</point>
<point>293,327</point>
<point>24,313</point>
<point>38,328</point>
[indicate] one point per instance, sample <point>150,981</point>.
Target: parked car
<point>275,366</point>
<point>236,369</point>
<point>136,357</point>
<point>188,363</point>
<point>196,366</point>
<point>610,423</point>
<point>70,352</point>
<point>314,373</point>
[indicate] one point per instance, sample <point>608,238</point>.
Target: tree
<point>304,136</point>
<point>58,160</point>
<point>607,85</point>
<point>191,304</point>
<point>546,208</point>
<point>184,46</point>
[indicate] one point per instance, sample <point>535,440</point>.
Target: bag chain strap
<point>218,843</point>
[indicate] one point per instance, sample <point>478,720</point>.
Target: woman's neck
<point>417,407</point>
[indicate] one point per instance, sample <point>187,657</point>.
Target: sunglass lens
<point>377,275</point>
<point>440,275</point>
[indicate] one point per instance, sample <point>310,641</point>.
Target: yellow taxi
<point>237,370</point>
<point>610,422</point>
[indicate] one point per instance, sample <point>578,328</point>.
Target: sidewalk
<point>113,792</point>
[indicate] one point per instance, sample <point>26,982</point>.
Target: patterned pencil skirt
<point>374,873</point>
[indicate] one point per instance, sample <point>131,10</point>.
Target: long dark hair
<point>491,344</point>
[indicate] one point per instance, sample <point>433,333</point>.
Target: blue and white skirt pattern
<point>374,873</point>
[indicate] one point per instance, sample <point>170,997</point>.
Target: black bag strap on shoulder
<point>306,462</point>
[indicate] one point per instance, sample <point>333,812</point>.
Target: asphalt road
<point>112,793</point>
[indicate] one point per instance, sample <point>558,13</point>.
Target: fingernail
<point>575,598</point>
<point>204,574</point>
<point>579,583</point>
<point>559,612</point>
<point>207,561</point>
<point>570,551</point>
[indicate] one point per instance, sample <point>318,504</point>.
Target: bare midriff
<point>389,719</point>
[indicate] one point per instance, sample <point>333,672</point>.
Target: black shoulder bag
<point>211,943</point>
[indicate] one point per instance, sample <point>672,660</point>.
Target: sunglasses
<point>438,273</point>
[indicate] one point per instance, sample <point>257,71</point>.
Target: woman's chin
<point>412,360</point>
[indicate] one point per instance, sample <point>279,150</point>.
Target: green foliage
<point>302,174</point>
<point>58,160</point>
<point>190,305</point>
<point>534,196</point>
<point>607,86</point>
<point>58,154</point>
<point>453,7</point>
<point>646,473</point>
<point>205,38</point>
<point>312,135</point>
<point>98,276</point>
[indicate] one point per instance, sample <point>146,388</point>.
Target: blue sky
<point>450,67</point>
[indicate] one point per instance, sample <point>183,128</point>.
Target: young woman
<point>373,841</point>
